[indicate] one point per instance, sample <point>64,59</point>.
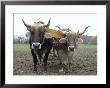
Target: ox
<point>66,46</point>
<point>40,42</point>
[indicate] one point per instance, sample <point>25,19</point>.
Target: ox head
<point>37,33</point>
<point>73,39</point>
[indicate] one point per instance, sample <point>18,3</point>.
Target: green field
<point>21,47</point>
<point>26,47</point>
<point>87,46</point>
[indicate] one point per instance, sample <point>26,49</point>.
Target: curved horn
<point>28,26</point>
<point>83,31</point>
<point>58,27</point>
<point>48,23</point>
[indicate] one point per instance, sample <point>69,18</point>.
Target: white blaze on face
<point>73,47</point>
<point>36,44</point>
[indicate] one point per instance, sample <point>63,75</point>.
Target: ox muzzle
<point>71,48</point>
<point>36,46</point>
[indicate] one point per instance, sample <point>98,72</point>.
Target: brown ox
<point>66,46</point>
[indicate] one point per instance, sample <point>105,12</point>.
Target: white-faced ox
<point>66,47</point>
<point>40,44</point>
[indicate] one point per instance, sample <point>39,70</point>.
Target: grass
<point>87,46</point>
<point>26,47</point>
<point>21,47</point>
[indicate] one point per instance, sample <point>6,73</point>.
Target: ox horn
<point>48,23</point>
<point>28,26</point>
<point>58,27</point>
<point>83,31</point>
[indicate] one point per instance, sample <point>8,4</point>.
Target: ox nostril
<point>36,45</point>
<point>71,48</point>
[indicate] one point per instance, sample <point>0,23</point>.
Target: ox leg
<point>60,57</point>
<point>40,56</point>
<point>54,54</point>
<point>69,67</point>
<point>69,63</point>
<point>34,60</point>
<point>45,60</point>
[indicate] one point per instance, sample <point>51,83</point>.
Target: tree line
<point>86,40</point>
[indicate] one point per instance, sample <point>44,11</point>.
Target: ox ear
<point>47,35</point>
<point>28,34</point>
<point>78,35</point>
<point>62,40</point>
<point>79,41</point>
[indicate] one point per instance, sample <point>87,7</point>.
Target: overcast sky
<point>74,21</point>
